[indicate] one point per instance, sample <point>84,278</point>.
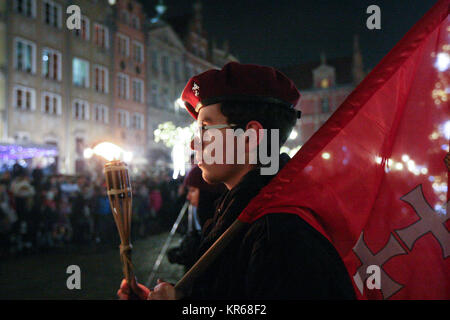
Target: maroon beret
<point>239,82</point>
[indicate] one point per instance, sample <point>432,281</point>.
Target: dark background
<point>289,32</point>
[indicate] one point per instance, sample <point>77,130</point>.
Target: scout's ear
<point>254,135</point>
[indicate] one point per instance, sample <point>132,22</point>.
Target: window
<point>138,52</point>
<point>135,22</point>
<point>124,45</point>
<point>25,7</point>
<point>125,17</point>
<point>325,105</point>
<point>101,113</point>
<point>52,13</point>
<point>123,86</point>
<point>123,118</point>
<point>101,79</point>
<point>138,90</point>
<point>101,36</point>
<point>154,95</point>
<point>80,109</point>
<point>24,98</point>
<point>137,121</point>
<point>176,70</point>
<point>51,103</point>
<point>83,32</point>
<point>80,72</point>
<point>165,65</point>
<point>155,61</point>
<point>189,71</point>
<point>22,137</point>
<point>51,64</point>
<point>24,55</point>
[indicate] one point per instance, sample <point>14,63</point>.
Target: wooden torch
<point>120,198</point>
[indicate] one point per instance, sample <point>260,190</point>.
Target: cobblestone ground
<point>43,276</point>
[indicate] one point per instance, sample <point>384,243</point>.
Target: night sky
<point>289,32</point>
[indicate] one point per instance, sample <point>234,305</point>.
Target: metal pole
<point>166,244</point>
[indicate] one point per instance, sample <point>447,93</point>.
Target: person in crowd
<point>201,197</point>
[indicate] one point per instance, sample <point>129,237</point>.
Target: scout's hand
<point>162,291</point>
<point>138,289</point>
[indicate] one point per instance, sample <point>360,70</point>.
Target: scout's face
<point>219,170</point>
<point>193,196</point>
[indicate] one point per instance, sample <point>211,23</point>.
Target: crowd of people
<point>40,212</point>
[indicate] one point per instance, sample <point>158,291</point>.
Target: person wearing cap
<point>279,256</point>
<point>202,197</point>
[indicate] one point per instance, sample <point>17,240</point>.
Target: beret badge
<point>196,89</point>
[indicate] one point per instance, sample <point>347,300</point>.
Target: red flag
<point>372,179</point>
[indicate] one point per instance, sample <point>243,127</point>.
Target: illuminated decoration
<point>112,2</point>
<point>293,135</point>
<point>446,130</point>
<point>178,159</point>
<point>442,61</point>
<point>178,139</point>
<point>169,134</point>
<point>109,151</point>
<point>326,155</point>
<point>30,151</point>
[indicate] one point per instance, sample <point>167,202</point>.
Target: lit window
<point>101,36</point>
<point>24,55</point>
<point>51,103</point>
<point>138,90</point>
<point>83,32</point>
<point>101,79</point>
<point>24,98</point>
<point>80,110</point>
<point>123,86</point>
<point>324,83</point>
<point>80,72</point>
<point>52,13</point>
<point>51,64</point>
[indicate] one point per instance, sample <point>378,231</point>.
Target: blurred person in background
<point>202,197</point>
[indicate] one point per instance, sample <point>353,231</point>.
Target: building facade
<point>115,78</point>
